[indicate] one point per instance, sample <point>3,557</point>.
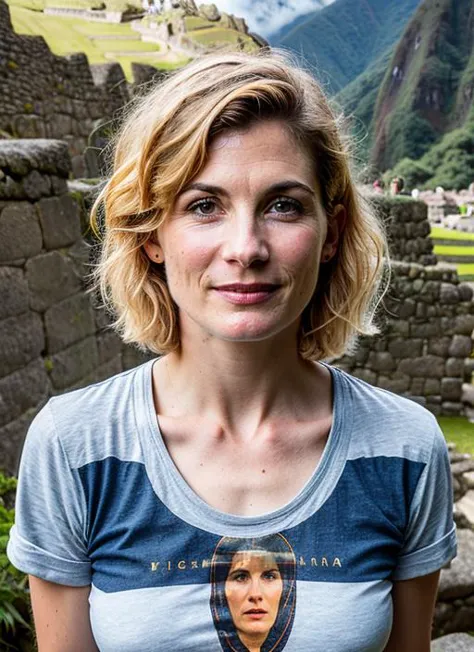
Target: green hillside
<point>343,39</point>
<point>428,90</point>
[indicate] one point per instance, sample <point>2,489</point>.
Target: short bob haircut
<point>164,142</point>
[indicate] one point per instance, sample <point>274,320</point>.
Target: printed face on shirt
<point>253,589</point>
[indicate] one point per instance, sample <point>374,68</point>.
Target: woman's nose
<point>246,242</point>
<point>255,592</point>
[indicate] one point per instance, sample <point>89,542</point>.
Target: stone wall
<point>408,228</point>
<point>52,337</point>
<point>423,351</point>
<point>43,95</point>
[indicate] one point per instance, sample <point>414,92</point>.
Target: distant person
<point>239,250</point>
<point>378,186</point>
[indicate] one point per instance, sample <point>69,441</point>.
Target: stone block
<point>428,366</point>
<point>464,324</point>
<point>13,292</point>
<point>461,346</point>
<point>36,185</point>
<point>396,382</point>
<point>109,345</point>
<point>399,327</point>
<point>12,436</point>
<point>465,292</point>
<point>417,387</point>
<point>439,346</point>
<point>60,221</point>
<point>421,311</point>
<point>455,367</point>
<point>434,408</point>
<point>69,366</point>
<point>366,375</point>
<point>427,329</point>
<point>381,361</point>
<point>51,277</point>
<point>466,507</point>
<point>22,390</point>
<point>407,309</point>
<point>432,387</point>
<point>448,293</point>
<point>68,321</point>
<point>402,348</point>
<point>450,409</point>
<point>451,389</point>
<point>80,253</point>
<point>20,232</point>
<point>453,643</point>
<point>22,341</point>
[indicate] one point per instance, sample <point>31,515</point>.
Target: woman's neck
<point>242,385</point>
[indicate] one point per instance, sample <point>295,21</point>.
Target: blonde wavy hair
<point>164,142</point>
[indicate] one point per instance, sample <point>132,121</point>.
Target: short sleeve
<point>48,539</point>
<point>430,540</point>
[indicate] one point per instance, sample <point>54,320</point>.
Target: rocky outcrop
<point>453,643</point>
<point>210,12</point>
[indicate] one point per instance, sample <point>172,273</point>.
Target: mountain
<point>428,89</point>
<point>341,40</point>
<point>267,16</point>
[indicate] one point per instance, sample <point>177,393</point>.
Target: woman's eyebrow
<point>281,186</point>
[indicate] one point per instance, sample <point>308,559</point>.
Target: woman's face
<point>242,244</point>
<point>253,590</point>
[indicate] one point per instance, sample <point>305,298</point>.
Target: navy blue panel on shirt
<point>135,541</point>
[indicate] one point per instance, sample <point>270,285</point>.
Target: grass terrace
<point>459,431</point>
<point>66,35</point>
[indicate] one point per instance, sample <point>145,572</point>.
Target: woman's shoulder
<point>387,424</point>
<point>95,421</point>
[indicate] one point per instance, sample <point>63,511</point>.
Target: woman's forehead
<point>252,558</point>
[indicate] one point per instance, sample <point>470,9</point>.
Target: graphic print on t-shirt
<point>253,593</point>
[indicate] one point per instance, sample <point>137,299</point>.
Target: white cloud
<point>266,16</point>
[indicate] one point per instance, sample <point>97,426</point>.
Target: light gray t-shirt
<point>101,502</point>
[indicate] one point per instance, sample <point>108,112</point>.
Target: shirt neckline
<point>171,487</point>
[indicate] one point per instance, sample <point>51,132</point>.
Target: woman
<point>253,593</point>
<point>237,245</point>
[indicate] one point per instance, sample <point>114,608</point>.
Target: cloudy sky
<point>265,16</point>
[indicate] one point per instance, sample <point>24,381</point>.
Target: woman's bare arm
<point>61,615</point>
<point>413,606</point>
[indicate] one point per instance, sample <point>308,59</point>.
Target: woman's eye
<point>270,575</point>
<point>240,577</point>
<point>203,207</point>
<point>286,206</point>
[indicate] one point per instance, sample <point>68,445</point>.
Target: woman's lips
<point>255,614</point>
<point>246,294</point>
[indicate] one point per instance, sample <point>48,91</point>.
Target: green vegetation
<point>459,431</point>
<point>423,98</point>
<point>65,35</point>
<point>15,631</point>
<point>449,163</point>
<point>342,40</point>
<point>196,22</point>
<point>446,250</point>
<point>439,233</point>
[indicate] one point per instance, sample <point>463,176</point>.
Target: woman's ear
<point>154,251</point>
<point>336,226</point>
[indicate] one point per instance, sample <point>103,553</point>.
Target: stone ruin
<point>43,95</point>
